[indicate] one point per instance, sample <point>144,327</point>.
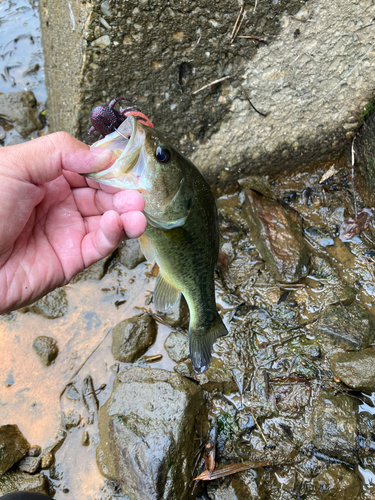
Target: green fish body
<point>182,234</point>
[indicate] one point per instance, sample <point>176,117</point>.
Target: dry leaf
<point>355,225</point>
<point>330,173</point>
<point>229,469</point>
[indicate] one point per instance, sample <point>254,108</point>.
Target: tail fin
<point>201,341</point>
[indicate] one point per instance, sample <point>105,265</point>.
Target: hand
<point>53,222</point>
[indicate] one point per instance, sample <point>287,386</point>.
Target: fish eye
<point>162,155</point>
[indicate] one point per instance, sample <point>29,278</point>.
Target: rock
<point>334,426</point>
<point>349,327</point>
<point>147,434</point>
<point>321,236</point>
<point>71,419</point>
<point>365,149</point>
<point>336,483</point>
<point>19,108</point>
<point>178,314</point>
<point>3,134</point>
<point>47,459</point>
<point>132,337</point>
<point>21,481</point>
<point>94,272</point>
<point>13,446</point>
<point>277,236</point>
<point>47,350</point>
<point>130,254</point>
<point>30,464</point>
<point>177,346</point>
<point>356,368</point>
<point>34,451</point>
<point>85,441</point>
<point>240,486</point>
<point>51,306</point>
<point>313,104</point>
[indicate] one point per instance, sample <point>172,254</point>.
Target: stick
<point>238,18</point>
<point>214,82</point>
<point>239,26</point>
<point>255,6</point>
<point>353,186</point>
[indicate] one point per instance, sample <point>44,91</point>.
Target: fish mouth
<point>126,144</point>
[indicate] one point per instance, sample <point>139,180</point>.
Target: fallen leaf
<point>330,173</point>
<point>352,226</point>
<point>229,469</point>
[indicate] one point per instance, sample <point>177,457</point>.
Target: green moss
<point>227,424</point>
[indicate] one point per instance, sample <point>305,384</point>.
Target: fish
<point>182,234</point>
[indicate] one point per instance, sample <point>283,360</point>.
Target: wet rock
<point>94,272</point>
<point>147,433</point>
<point>178,314</point>
<point>13,446</point>
<point>336,483</point>
<point>130,254</point>
<point>278,237</point>
<point>349,327</point>
<point>34,451</point>
<point>365,149</point>
<point>240,486</point>
<point>356,368</point>
<point>321,236</point>
<point>177,346</point>
<point>46,348</point>
<point>21,481</point>
<point>71,419</point>
<point>19,108</point>
<point>30,464</point>
<point>366,439</point>
<point>85,441</point>
<point>47,460</point>
<point>53,305</point>
<point>132,337</point>
<point>2,133</point>
<point>334,426</point>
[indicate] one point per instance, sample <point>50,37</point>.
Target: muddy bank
<point>279,390</point>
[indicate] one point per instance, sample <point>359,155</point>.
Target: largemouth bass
<point>182,234</point>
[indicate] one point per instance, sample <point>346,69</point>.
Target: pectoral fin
<point>165,294</point>
<point>147,249</point>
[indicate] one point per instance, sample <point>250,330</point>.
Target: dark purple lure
<point>106,119</point>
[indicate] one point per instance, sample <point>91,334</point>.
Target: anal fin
<point>165,294</point>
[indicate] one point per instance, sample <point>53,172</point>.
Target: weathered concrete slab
<point>313,79</point>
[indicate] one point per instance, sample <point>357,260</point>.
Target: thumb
<point>42,160</point>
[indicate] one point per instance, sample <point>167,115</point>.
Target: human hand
<point>53,222</point>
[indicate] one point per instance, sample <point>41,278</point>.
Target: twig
<point>235,24</point>
<point>214,82</point>
<point>255,6</point>
<point>353,186</point>
<point>346,76</point>
<point>254,38</point>
<point>239,26</point>
<point>256,423</point>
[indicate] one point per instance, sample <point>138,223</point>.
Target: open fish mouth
<point>126,144</point>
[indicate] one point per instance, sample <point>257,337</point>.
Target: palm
<point>48,252</point>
